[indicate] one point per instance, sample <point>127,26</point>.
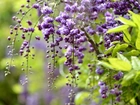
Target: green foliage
<point>118,29</point>
<point>128,78</point>
<point>135,18</point>
<point>119,64</point>
<point>138,41</point>
<point>129,60</point>
<point>109,50</point>
<point>126,36</point>
<point>137,78</point>
<point>126,21</point>
<point>105,64</point>
<point>118,48</point>
<point>121,57</point>
<point>135,63</point>
<point>132,53</point>
<point>9,89</point>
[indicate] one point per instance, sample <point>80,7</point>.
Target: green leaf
<point>119,47</point>
<point>135,63</point>
<point>123,46</point>
<point>116,49</point>
<point>118,64</point>
<point>109,50</point>
<point>128,78</point>
<point>138,41</point>
<point>122,57</point>
<point>126,36</point>
<point>134,33</point>
<point>126,21</point>
<point>115,42</point>
<point>132,53</point>
<point>105,64</point>
<point>135,18</point>
<point>80,97</point>
<point>118,29</point>
<point>137,78</point>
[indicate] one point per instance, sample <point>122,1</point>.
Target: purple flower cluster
<point>103,89</point>
<point>118,76</point>
<point>47,26</point>
<point>117,92</point>
<point>75,25</point>
<point>99,71</point>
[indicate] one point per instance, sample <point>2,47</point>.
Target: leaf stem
<point>92,42</point>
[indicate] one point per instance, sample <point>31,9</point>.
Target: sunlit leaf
<point>138,41</point>
<point>119,47</point>
<point>134,33</point>
<point>132,53</point>
<point>126,36</point>
<point>118,29</point>
<point>135,63</point>
<point>128,78</point>
<point>116,49</point>
<point>115,42</point>
<point>123,46</point>
<point>118,64</point>
<point>105,64</point>
<point>109,50</point>
<point>122,57</point>
<point>126,21</point>
<point>137,78</point>
<point>135,18</point>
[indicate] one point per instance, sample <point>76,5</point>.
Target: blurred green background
<point>7,95</point>
<point>11,90</point>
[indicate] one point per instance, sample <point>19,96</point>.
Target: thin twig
<point>91,41</point>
